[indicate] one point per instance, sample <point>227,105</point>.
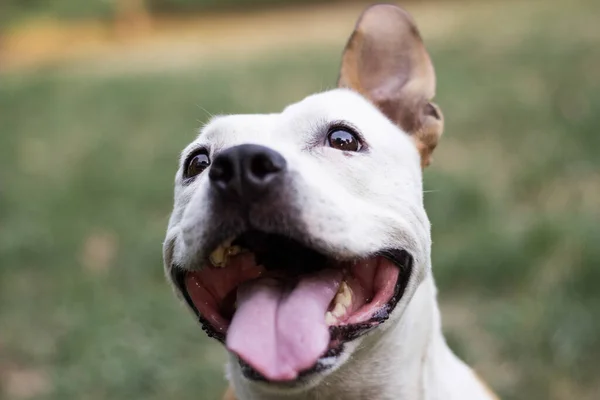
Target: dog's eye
<point>342,139</point>
<point>196,164</point>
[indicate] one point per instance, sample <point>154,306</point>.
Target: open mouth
<point>284,308</point>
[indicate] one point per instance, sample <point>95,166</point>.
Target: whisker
<point>205,110</point>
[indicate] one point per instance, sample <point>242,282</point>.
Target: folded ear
<point>385,61</point>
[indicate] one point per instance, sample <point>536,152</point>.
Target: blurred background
<point>98,97</point>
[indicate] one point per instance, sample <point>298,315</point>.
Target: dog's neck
<point>407,361</point>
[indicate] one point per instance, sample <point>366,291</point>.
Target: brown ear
<point>385,61</point>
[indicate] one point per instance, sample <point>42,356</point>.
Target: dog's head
<point>295,235</point>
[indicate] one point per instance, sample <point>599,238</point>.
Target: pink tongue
<point>281,331</point>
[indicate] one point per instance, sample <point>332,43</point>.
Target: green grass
<point>86,169</point>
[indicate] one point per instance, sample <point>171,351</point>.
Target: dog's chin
<point>232,292</point>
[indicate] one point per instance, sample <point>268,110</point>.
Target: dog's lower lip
<point>334,352</point>
<point>339,333</point>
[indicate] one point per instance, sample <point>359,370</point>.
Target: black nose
<point>247,171</point>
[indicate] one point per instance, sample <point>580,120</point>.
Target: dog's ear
<point>385,61</point>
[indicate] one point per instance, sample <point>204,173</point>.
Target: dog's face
<point>294,235</point>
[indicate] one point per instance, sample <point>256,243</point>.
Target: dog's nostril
<point>263,165</point>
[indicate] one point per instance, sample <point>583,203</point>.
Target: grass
<point>86,169</point>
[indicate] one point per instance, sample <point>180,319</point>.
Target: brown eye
<point>196,164</point>
<point>343,140</point>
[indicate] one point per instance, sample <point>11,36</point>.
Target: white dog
<point>300,241</point>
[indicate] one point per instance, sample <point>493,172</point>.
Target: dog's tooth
<point>344,295</point>
<point>342,300</point>
<point>330,320</point>
<point>218,257</point>
<point>339,310</point>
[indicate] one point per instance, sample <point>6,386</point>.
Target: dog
<point>300,241</point>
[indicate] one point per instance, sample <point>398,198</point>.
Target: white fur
<point>352,205</point>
